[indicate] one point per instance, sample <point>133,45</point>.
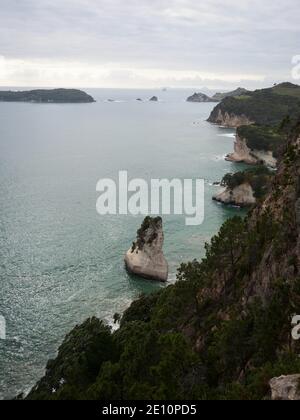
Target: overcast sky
<point>147,43</point>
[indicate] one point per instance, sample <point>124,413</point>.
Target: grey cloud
<point>208,36</point>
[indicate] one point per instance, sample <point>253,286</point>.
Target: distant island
<point>200,97</point>
<point>218,97</point>
<point>47,96</point>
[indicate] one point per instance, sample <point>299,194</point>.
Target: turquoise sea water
<point>60,262</point>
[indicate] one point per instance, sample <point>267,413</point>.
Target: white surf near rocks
<point>146,258</point>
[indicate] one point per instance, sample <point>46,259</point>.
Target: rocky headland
<point>243,154</point>
<point>261,121</point>
<point>243,189</point>
<point>240,196</point>
<point>267,107</point>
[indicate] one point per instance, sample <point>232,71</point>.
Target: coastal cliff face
<point>223,331</point>
<point>238,92</point>
<point>241,196</point>
<point>243,154</point>
<point>146,258</point>
<point>230,120</point>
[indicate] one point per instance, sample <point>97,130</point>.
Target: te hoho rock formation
<point>146,258</point>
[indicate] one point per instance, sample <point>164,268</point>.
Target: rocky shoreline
<point>243,154</point>
<point>241,196</point>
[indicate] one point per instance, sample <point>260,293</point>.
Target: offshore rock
<point>145,258</point>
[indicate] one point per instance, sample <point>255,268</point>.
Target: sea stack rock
<point>154,99</point>
<point>145,258</point>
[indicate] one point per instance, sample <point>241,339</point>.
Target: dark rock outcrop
<point>200,97</point>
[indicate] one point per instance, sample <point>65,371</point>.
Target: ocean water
<point>60,262</point>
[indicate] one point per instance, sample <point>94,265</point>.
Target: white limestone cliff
<point>230,120</point>
<point>241,196</point>
<point>243,154</point>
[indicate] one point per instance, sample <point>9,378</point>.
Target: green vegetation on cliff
<point>47,96</point>
<point>263,138</point>
<point>237,92</point>
<point>258,177</point>
<point>264,107</point>
<point>221,332</point>
<point>267,113</point>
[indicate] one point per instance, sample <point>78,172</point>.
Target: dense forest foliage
<point>258,177</point>
<point>263,138</point>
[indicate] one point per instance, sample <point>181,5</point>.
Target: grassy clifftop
<point>221,332</point>
<point>264,107</point>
